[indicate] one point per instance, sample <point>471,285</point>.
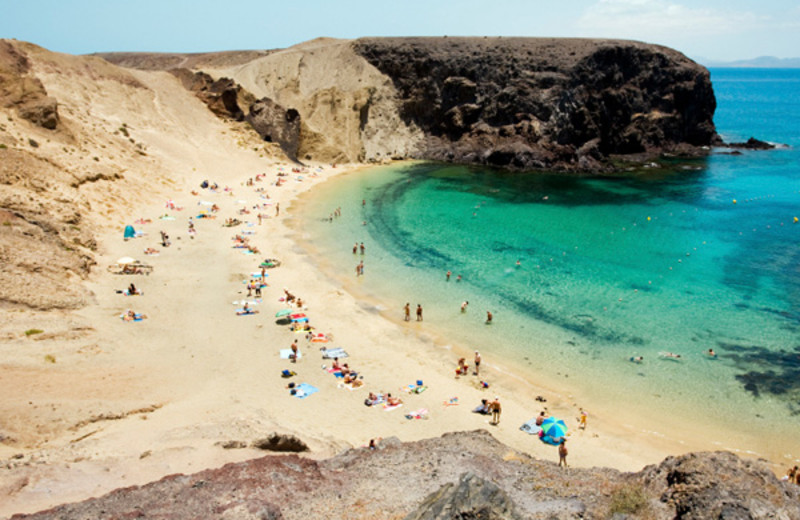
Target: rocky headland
<point>457,476</point>
<point>574,105</point>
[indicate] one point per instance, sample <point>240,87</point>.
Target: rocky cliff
<point>569,104</point>
<point>457,476</point>
<point>517,103</point>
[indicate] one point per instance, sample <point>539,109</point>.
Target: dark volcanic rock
<point>567,104</point>
<point>752,144</point>
<point>223,96</point>
<point>276,124</point>
<point>476,477</point>
<point>281,443</point>
<point>721,485</point>
<point>42,112</point>
<point>471,497</point>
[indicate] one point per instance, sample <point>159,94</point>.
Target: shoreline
<point>656,431</point>
<point>194,374</point>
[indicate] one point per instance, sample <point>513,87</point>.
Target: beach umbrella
<point>554,428</point>
<point>126,260</point>
<point>283,312</point>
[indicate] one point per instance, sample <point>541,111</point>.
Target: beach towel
<point>422,413</point>
<point>387,408</point>
<point>286,352</point>
<point>248,312</point>
<point>351,386</point>
<point>415,389</point>
<point>249,302</point>
<point>332,353</point>
<point>529,427</point>
<point>303,390</point>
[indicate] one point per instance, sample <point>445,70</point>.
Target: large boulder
<point>472,497</point>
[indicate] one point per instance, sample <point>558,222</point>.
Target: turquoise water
<point>661,260</point>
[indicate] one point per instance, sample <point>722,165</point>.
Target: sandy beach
<point>90,402</point>
<point>125,403</point>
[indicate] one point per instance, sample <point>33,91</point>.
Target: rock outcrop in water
<point>517,103</point>
<point>459,475</point>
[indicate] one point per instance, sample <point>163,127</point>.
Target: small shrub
<point>630,499</point>
<point>33,143</point>
<point>50,358</point>
<point>6,223</point>
<point>3,146</point>
<point>31,332</point>
<point>96,159</point>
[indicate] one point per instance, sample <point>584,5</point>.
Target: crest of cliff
<point>456,476</point>
<point>517,103</point>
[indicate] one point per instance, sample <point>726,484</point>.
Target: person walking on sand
<point>496,409</point>
<point>419,312</point>
<point>562,453</point>
<point>407,311</point>
<point>477,362</point>
<point>277,208</point>
<point>582,419</point>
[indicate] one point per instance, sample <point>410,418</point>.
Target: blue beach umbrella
<point>553,429</point>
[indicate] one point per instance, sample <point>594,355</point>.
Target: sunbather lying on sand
<point>132,316</point>
<point>393,401</point>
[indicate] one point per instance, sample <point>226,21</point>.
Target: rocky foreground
<point>459,475</point>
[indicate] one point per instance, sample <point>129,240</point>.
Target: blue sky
<point>702,29</point>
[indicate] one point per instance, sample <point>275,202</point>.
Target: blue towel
<point>530,427</point>
<point>304,390</point>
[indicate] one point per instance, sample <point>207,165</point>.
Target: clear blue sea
<point>660,260</point>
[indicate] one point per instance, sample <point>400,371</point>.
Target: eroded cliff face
<point>564,104</point>
<point>519,103</point>
<point>459,475</point>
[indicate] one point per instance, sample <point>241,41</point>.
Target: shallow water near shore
<point>582,274</point>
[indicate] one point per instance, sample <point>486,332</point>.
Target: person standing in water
<point>419,312</point>
<point>489,317</point>
<point>407,311</point>
<point>464,306</point>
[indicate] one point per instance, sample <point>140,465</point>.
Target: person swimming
<point>636,359</point>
